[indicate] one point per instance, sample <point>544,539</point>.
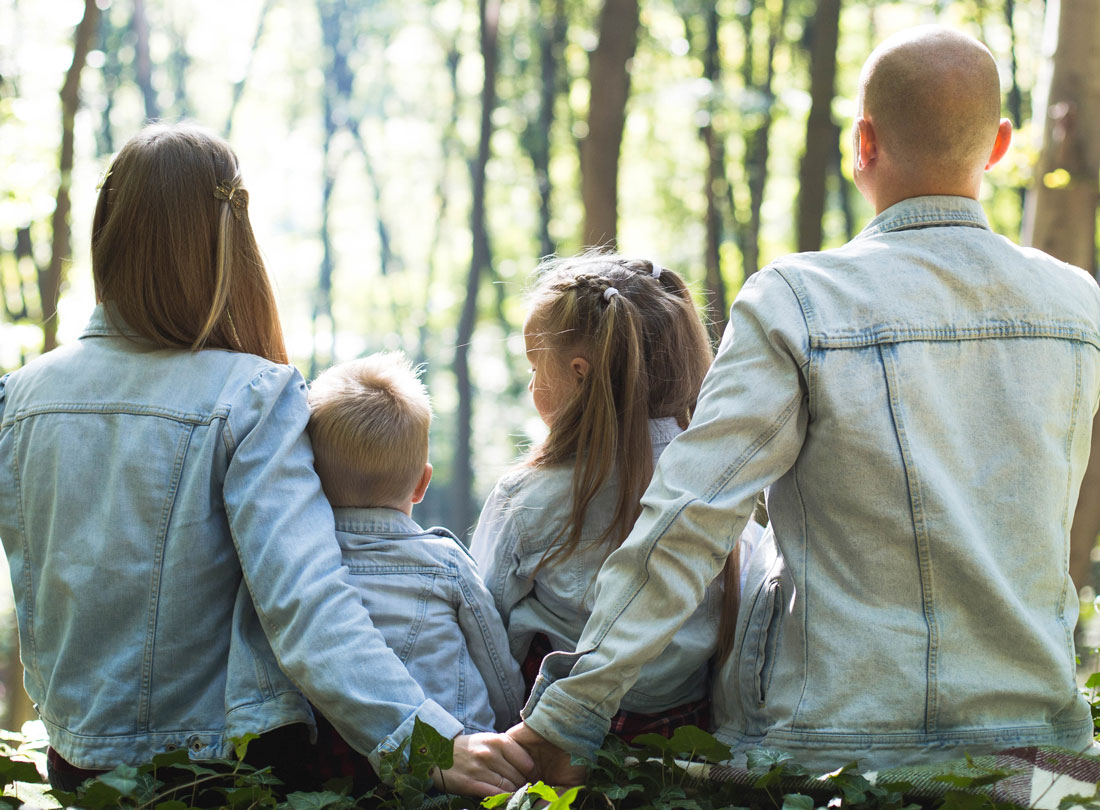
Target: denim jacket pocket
<point>761,635</point>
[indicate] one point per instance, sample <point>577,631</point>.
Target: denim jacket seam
<point>1068,506</point>
<point>119,408</point>
<point>494,654</point>
<point>148,659</point>
<point>27,579</point>
<point>878,335</point>
<point>920,537</point>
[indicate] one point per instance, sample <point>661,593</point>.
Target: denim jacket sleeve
<point>487,643</point>
<point>284,534</point>
<point>746,432</point>
<point>495,546</point>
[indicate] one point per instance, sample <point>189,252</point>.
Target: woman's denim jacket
<point>522,518</point>
<point>425,595</point>
<point>176,572</point>
<point>919,402</point>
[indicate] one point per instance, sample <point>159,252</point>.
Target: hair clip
<point>609,293</point>
<point>236,196</point>
<point>656,272</point>
<point>103,180</point>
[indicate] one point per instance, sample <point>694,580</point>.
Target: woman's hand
<point>484,765</point>
<point>552,763</point>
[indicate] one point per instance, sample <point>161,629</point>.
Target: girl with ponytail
<point>617,353</point>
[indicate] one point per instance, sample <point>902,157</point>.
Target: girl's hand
<point>552,763</point>
<point>484,765</point>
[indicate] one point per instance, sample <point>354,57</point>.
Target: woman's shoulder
<point>542,483</point>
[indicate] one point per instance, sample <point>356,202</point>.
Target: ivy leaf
<point>693,740</point>
<point>761,760</point>
<point>1093,681</point>
<point>15,770</point>
<point>958,800</point>
<point>171,804</point>
<point>543,791</point>
<point>616,792</point>
<point>797,801</point>
<point>490,802</point>
<point>123,779</point>
<point>240,744</point>
<point>564,801</point>
<point>657,742</point>
<point>170,759</point>
<point>315,801</point>
<point>99,794</point>
<point>428,747</point>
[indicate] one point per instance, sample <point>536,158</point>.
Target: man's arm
<point>747,431</point>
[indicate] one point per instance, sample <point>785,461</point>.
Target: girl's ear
<point>580,367</point>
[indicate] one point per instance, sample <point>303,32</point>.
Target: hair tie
<point>609,293</point>
<point>236,196</point>
<point>656,272</point>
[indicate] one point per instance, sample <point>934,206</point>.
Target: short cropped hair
<point>369,422</point>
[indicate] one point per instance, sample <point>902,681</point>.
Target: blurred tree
<point>481,258</point>
<point>1060,216</point>
<point>50,280</point>
<point>609,88</point>
<point>822,134</point>
<point>143,61</point>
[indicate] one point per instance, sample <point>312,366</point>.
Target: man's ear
<point>422,484</point>
<point>580,367</point>
<point>1000,146</point>
<point>866,143</point>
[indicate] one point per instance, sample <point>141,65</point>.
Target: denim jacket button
<point>170,747</point>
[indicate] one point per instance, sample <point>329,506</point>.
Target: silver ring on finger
<point>500,781</point>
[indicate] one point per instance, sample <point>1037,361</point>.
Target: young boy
<point>369,422</point>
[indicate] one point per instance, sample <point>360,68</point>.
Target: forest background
<point>410,161</point>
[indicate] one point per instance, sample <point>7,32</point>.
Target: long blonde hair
<point>173,253</point>
<point>647,352</point>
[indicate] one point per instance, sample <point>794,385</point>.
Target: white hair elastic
<point>609,293</point>
<point>656,273</point>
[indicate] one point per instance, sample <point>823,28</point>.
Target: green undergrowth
<point>653,773</point>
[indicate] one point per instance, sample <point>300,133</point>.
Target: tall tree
<point>609,88</point>
<point>1060,215</point>
<point>551,32</point>
<point>50,280</point>
<point>143,61</point>
<point>480,262</point>
<point>823,31</point>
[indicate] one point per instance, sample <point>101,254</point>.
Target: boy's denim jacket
<point>176,572</point>
<point>919,402</point>
<point>521,519</point>
<point>424,594</point>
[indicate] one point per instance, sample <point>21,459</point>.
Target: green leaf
<point>171,804</point>
<point>14,802</point>
<point>64,797</point>
<point>543,791</point>
<point>564,801</point>
<point>98,794</point>
<point>655,741</point>
<point>315,801</point>
<point>797,801</point>
<point>240,744</point>
<point>16,770</point>
<point>495,801</point>
<point>616,792</point>
<point>693,740</point>
<point>761,760</point>
<point>1093,681</point>
<point>198,770</point>
<point>171,758</point>
<point>123,779</point>
<point>958,800</point>
<point>428,747</point>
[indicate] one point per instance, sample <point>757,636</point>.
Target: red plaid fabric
<point>627,725</point>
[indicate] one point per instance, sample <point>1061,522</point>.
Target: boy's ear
<point>580,367</point>
<point>422,484</point>
<point>1000,145</point>
<point>866,143</point>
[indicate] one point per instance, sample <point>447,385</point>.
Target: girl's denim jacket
<point>919,402</point>
<point>425,595</point>
<point>520,521</point>
<point>176,572</point>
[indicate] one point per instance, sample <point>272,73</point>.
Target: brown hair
<point>174,261</point>
<point>369,422</point>
<point>647,352</point>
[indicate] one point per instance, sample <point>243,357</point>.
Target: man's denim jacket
<point>176,572</point>
<point>522,518</point>
<point>919,402</point>
<point>424,594</point>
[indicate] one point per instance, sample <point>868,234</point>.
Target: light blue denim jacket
<point>176,572</point>
<point>423,592</point>
<point>919,402</point>
<point>520,521</point>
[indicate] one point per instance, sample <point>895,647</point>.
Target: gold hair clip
<point>103,180</point>
<point>236,196</point>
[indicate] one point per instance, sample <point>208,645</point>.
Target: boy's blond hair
<point>369,422</point>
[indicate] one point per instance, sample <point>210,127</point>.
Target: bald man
<point>918,406</point>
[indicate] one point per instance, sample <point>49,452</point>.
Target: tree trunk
<point>238,86</point>
<point>551,33</point>
<point>609,87</point>
<point>820,130</point>
<point>480,261</point>
<point>1060,217</point>
<point>143,63</point>
<point>49,282</point>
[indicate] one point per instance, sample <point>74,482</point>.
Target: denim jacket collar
<point>99,325</point>
<point>927,212</point>
<point>374,520</point>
